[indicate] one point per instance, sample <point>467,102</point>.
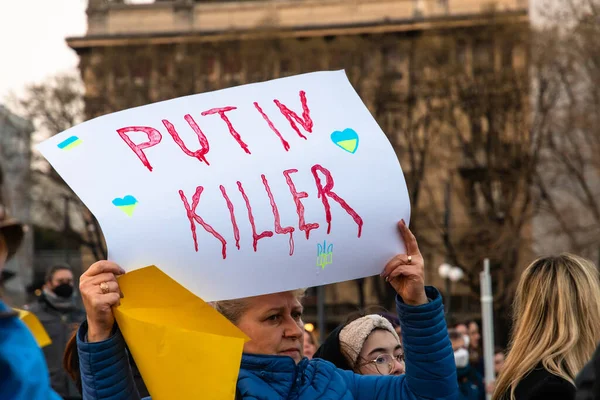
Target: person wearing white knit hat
<point>373,346</point>
<point>368,345</point>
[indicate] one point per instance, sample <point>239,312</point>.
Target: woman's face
<point>378,343</point>
<point>498,362</point>
<point>273,322</point>
<point>474,334</point>
<point>309,347</point>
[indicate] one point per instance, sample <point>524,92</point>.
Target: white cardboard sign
<point>244,191</point>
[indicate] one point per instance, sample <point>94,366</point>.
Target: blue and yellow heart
<point>127,204</point>
<point>346,139</point>
<point>69,143</point>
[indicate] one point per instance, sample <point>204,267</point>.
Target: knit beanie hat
<point>354,335</point>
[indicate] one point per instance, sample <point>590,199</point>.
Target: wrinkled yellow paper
<point>183,347</point>
<point>35,326</point>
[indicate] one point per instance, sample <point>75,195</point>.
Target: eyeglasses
<point>384,363</point>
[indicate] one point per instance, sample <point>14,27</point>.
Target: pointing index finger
<point>409,239</point>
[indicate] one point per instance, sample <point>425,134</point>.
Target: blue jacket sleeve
<point>23,371</point>
<point>104,367</point>
<point>430,368</point>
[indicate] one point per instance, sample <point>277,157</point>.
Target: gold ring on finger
<point>409,259</point>
<point>104,287</point>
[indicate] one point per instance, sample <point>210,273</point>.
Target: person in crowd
<point>499,358</point>
<point>273,366</point>
<point>60,315</point>
<point>462,329</point>
<point>310,344</point>
<point>556,327</point>
<point>23,371</point>
<point>367,345</point>
<point>475,353</point>
<point>470,382</point>
<point>472,338</point>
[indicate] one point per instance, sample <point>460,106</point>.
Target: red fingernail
<point>403,223</point>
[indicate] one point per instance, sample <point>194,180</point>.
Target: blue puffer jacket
<point>430,368</point>
<point>23,371</point>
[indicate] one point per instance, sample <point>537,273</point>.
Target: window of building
<point>462,49</point>
<point>483,55</point>
<point>231,64</point>
<point>285,66</point>
<point>507,55</point>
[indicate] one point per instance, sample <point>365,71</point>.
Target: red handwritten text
<point>255,236</point>
<point>192,216</point>
<point>278,229</point>
<point>236,230</point>
<point>154,138</point>
<point>305,121</point>
<point>303,226</point>
<point>326,191</point>
<point>200,154</point>
<point>221,111</point>
<point>286,145</point>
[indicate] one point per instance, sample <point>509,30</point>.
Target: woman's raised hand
<point>405,272</point>
<point>100,292</point>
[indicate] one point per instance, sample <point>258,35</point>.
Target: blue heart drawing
<point>346,139</point>
<point>127,204</point>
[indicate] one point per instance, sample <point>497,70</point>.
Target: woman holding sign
<point>273,366</point>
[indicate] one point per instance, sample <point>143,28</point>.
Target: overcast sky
<point>32,39</point>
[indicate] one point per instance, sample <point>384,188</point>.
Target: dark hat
<point>11,230</point>
<point>330,350</point>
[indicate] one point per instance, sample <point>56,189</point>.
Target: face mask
<point>461,358</point>
<point>467,340</point>
<point>64,290</point>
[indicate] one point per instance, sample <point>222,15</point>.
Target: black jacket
<point>540,384</point>
<point>588,386</point>
<point>60,325</point>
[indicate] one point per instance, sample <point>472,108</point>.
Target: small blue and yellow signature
<point>324,254</point>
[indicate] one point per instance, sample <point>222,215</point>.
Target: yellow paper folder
<point>183,347</point>
<point>35,326</point>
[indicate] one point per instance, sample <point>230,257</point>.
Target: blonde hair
<point>556,321</point>
<point>234,309</point>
